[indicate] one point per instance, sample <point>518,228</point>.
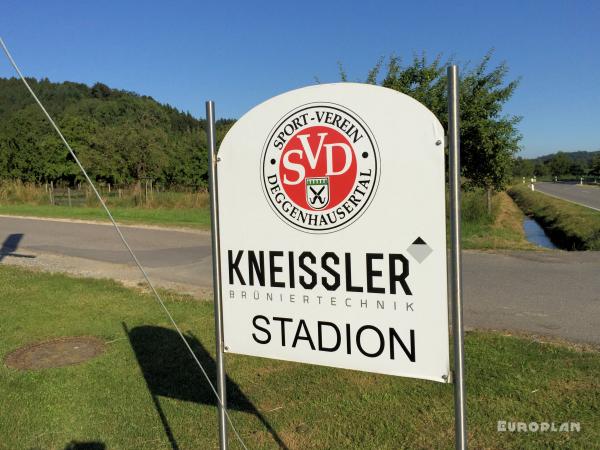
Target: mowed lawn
<point>144,392</point>
<point>174,217</point>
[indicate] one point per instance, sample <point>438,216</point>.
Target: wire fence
<point>143,195</point>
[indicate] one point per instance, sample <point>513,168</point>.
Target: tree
<point>119,136</point>
<point>541,170</point>
<point>489,139</point>
<point>577,168</point>
<point>100,90</point>
<point>523,167</point>
<point>559,165</point>
<point>595,168</point>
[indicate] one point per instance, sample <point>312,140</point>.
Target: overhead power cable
<point>125,243</point>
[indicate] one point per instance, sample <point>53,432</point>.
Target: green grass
<point>180,217</point>
<point>570,226</point>
<point>130,205</point>
<point>107,400</point>
<point>14,192</point>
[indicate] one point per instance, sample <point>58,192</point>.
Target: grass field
<point>131,206</point>
<point>198,218</point>
<point>570,226</point>
<point>144,393</point>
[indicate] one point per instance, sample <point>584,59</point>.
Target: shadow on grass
<point>74,445</point>
<point>170,371</point>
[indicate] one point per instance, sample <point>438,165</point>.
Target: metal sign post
<point>216,257</point>
<point>460,415</point>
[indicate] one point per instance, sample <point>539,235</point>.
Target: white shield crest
<point>317,192</point>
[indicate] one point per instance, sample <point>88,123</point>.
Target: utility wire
<point>125,243</point>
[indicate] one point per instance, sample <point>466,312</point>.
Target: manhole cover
<point>55,353</point>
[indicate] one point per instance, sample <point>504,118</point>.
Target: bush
<point>474,208</point>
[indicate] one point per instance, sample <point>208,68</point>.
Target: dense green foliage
<point>120,137</point>
<point>595,165</point>
<point>584,157</point>
<point>523,167</point>
<point>559,164</point>
<point>489,139</point>
<point>570,226</point>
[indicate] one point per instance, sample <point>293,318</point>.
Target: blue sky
<point>241,53</point>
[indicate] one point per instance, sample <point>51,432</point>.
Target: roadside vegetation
<point>569,226</point>
<point>131,205</point>
<point>572,166</point>
<point>136,196</point>
<point>144,391</point>
<point>502,229</point>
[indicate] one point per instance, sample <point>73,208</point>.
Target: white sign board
<point>333,235</point>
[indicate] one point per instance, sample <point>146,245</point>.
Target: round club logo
<point>320,167</point>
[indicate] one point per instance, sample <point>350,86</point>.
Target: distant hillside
<point>584,157</point>
<point>559,164</point>
<point>120,136</point>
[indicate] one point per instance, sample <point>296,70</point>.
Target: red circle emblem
<point>318,168</point>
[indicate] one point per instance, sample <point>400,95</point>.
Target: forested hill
<point>121,137</point>
<point>585,157</point>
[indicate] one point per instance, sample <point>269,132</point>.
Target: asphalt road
<point>552,293</point>
<point>170,256</point>
<point>584,195</point>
